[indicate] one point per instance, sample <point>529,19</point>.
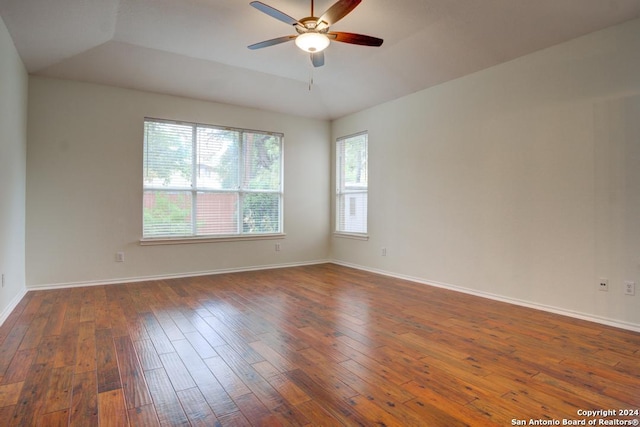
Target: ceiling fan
<point>313,32</point>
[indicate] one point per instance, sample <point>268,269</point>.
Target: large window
<point>202,180</point>
<point>351,179</point>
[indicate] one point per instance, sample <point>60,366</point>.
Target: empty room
<point>319,213</point>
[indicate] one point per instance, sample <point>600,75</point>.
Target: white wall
<point>84,186</point>
<point>13,145</point>
<point>520,181</point>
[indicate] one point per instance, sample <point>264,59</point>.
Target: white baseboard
<point>168,276</point>
<point>557,310</point>
<point>12,305</point>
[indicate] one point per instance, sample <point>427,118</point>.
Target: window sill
<point>355,236</point>
<point>207,239</point>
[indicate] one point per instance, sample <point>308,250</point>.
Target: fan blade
<point>339,10</point>
<point>317,59</point>
<point>271,42</point>
<point>274,13</point>
<point>354,38</point>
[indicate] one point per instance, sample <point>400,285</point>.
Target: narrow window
<point>351,179</point>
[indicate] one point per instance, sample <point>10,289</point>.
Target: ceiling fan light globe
<point>312,42</point>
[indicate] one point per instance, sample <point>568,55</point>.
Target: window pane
<point>166,213</point>
<point>355,162</point>
<point>167,154</point>
<point>261,213</point>
<point>217,213</point>
<point>352,212</point>
<point>262,162</point>
<point>218,151</point>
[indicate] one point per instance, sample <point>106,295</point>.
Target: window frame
<point>342,189</point>
<point>194,189</point>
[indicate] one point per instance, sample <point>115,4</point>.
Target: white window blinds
<point>352,184</point>
<point>202,180</point>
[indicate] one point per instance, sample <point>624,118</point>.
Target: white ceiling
<point>198,48</point>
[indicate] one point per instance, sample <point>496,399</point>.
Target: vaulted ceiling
<point>198,48</point>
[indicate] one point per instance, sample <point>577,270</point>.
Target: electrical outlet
<point>603,285</point>
<point>277,247</point>
<point>119,256</point>
<point>629,288</point>
<point>383,252</point>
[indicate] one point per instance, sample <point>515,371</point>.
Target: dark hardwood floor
<point>320,345</point>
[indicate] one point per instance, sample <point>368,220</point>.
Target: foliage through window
<point>352,187</point>
<point>203,180</point>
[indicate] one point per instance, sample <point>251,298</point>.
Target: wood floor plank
<point>102,315</point>
<point>272,356</point>
<point>397,368</point>
<point>147,355</point>
<point>87,305</point>
<point>285,387</point>
<point>66,351</point>
<point>234,340</point>
<point>55,419</point>
<point>143,416</point>
<point>314,411</point>
<point>334,405</point>
<point>20,366</point>
<point>34,334</point>
<point>397,393</point>
<point>56,317</point>
<point>10,345</point>
<point>196,408</point>
<point>322,371</point>
<point>32,308</point>
<point>84,400</point>
<point>11,321</point>
<point>136,329</point>
<point>376,414</point>
<point>215,394</point>
<point>253,409</point>
<point>6,413</point>
<point>258,385</point>
<point>156,333</point>
<point>167,405</point>
<point>167,324</point>
<point>118,321</point>
<point>59,391</point>
<point>177,372</point>
<point>303,346</point>
<point>134,386</point>
<point>428,398</point>
<point>181,320</point>
<point>235,419</point>
<point>106,362</point>
<point>9,394</point>
<point>207,332</point>
<point>201,345</point>
<point>86,347</point>
<point>226,376</point>
<point>111,408</point>
<point>436,415</point>
<point>32,396</point>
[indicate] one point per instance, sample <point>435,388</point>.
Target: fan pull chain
<point>310,79</point>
